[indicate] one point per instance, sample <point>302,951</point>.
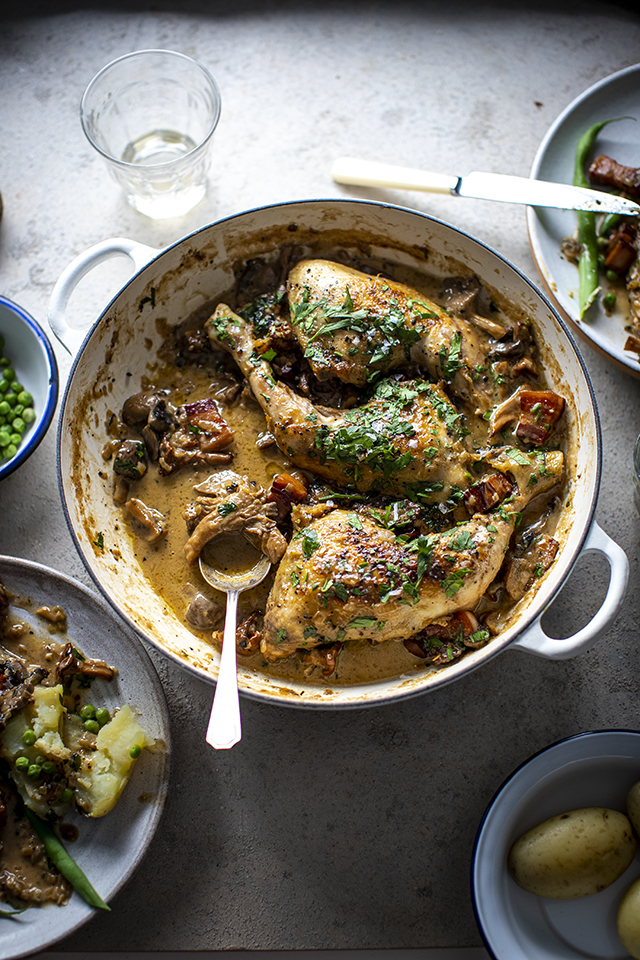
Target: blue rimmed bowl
<point>33,359</point>
<point>588,770</point>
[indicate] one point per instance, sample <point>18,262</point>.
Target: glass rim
<point>137,53</point>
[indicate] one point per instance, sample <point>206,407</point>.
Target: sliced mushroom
<point>151,522</point>
<point>460,295</point>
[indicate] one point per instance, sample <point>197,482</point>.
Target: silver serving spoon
<point>225,728</point>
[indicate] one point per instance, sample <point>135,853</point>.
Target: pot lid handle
<point>536,641</point>
<point>72,338</point>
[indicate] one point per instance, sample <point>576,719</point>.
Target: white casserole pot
<point>113,356</point>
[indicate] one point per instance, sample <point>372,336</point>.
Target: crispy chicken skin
<point>345,577</point>
<point>390,324</point>
<point>407,433</point>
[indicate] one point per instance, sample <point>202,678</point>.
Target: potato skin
<point>628,920</point>
<point>574,854</point>
<point>633,807</point>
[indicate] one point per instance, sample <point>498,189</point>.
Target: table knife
<point>481,186</point>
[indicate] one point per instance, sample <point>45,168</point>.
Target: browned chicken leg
<point>345,576</point>
<point>408,433</point>
<point>351,324</point>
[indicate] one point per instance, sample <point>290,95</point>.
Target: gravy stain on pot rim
<point>202,266</point>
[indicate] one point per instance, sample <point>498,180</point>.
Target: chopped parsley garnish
<point>518,457</point>
<point>451,360</point>
<point>452,583</point>
<point>310,541</point>
<point>224,509</point>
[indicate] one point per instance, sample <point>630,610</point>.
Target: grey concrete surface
<point>321,830</point>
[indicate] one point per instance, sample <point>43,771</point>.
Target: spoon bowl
<point>225,728</point>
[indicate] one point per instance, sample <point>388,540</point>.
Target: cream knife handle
<point>367,173</point>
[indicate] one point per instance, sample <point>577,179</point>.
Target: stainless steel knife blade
<point>482,186</point>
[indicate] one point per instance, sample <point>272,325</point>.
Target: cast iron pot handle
<point>535,640</point>
<point>71,338</point>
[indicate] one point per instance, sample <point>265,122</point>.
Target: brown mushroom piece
<point>136,409</point>
<point>325,657</point>
<point>73,664</point>
<point>460,296</point>
<point>203,613</point>
<point>152,524</point>
<point>131,460</point>
<point>522,571</point>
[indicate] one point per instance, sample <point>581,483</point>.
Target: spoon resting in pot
<point>225,728</point>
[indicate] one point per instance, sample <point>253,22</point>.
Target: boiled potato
<point>103,773</point>
<point>628,920</point>
<point>633,807</point>
<point>574,854</point>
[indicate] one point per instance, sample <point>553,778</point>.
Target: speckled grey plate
<point>110,848</point>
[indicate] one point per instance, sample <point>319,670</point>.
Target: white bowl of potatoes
<point>556,862</point>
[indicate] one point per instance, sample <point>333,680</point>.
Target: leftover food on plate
<point>388,439</point>
<point>60,751</point>
<point>605,248</point>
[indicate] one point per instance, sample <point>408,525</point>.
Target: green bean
<point>64,862</point>
<point>588,262</point>
<point>12,913</point>
<point>609,221</point>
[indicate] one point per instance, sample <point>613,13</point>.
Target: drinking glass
<point>151,115</point>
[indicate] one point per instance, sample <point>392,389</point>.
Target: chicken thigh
<point>407,433</point>
<point>351,324</point>
<point>346,577</point>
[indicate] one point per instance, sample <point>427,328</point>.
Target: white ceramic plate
<point>592,769</point>
<point>615,96</point>
<point>110,848</point>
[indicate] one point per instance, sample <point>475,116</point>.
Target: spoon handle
<point>225,728</point>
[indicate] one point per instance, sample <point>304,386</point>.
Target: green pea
<point>88,712</point>
<point>28,415</point>
<point>4,385</point>
<point>102,716</point>
<point>22,763</point>
<point>17,387</point>
<point>11,398</point>
<point>4,361</point>
<point>4,408</point>
<point>67,795</point>
<point>8,373</point>
<point>49,767</point>
<point>10,451</point>
<point>601,261</point>
<point>15,438</point>
<point>5,438</point>
<point>19,425</point>
<point>18,409</point>
<point>609,300</point>
<point>28,738</point>
<point>91,726</point>
<point>34,771</point>
<point>612,276</point>
<point>135,751</point>
<point>25,398</point>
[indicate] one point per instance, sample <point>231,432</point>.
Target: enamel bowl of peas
<point>28,386</point>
